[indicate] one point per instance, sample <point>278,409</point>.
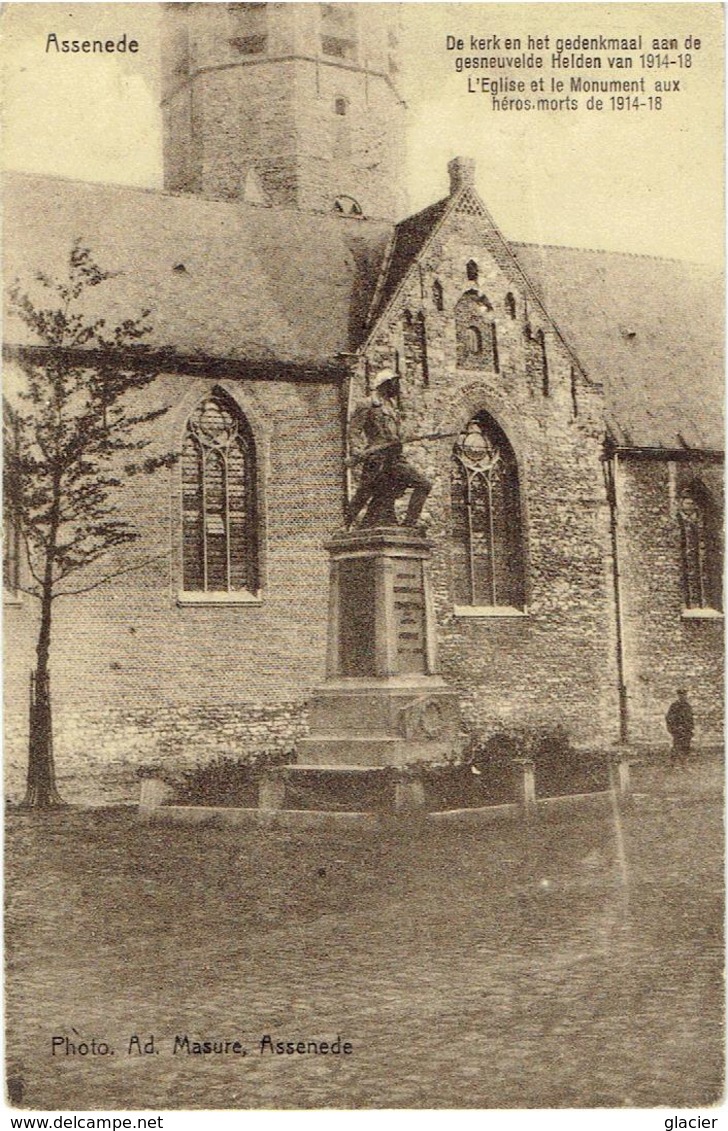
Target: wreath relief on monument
<point>429,717</point>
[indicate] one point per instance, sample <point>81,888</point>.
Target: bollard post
<point>620,777</point>
<point>525,775</point>
<point>271,790</point>
<point>153,794</point>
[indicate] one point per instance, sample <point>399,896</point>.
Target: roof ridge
<point>157,191</point>
<point>177,194</point>
<point>605,251</point>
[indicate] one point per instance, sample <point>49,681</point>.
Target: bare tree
<point>68,438</point>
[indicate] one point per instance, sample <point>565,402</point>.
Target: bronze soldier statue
<point>386,474</point>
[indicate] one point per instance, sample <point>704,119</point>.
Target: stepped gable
<point>648,330</point>
<point>221,279</point>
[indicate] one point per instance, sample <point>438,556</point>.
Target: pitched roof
<point>223,279</point>
<point>651,330</point>
<point>249,283</point>
<point>407,241</point>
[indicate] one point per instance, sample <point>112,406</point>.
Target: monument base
<point>383,702</point>
<point>383,706</point>
<point>382,721</point>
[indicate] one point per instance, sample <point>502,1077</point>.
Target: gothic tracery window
<point>700,534</point>
<point>219,511</point>
<point>487,537</point>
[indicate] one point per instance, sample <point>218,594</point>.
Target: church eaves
<point>407,241</point>
<point>247,285</point>
<point>223,280</point>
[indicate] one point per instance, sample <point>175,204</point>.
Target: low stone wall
<point>408,801</point>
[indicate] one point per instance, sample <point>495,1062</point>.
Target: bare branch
<point>29,556</point>
<point>111,576</point>
<point>37,593</point>
<point>66,437</point>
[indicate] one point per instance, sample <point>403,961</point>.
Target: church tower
<point>292,104</point>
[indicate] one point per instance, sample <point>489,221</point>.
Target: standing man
<point>386,474</point>
<point>680,723</point>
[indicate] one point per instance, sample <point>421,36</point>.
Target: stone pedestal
<point>383,702</point>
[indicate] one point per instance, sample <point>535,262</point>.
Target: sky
<point>639,181</point>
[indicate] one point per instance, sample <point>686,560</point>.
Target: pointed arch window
<point>541,343</point>
<point>488,561</point>
<point>475,333</point>
<point>219,505</point>
<point>473,340</point>
<point>438,297</point>
<point>701,540</point>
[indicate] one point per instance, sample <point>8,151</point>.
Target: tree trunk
<point>41,792</point>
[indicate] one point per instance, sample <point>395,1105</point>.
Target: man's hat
<point>382,377</point>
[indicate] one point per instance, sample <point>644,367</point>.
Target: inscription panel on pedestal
<point>409,616</point>
<point>357,614</point>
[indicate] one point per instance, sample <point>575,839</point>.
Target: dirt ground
<point>494,967</point>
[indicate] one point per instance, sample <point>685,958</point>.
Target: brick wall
<point>138,677</point>
<point>665,649</point>
<point>275,110</point>
<point>98,753</point>
<point>555,664</point>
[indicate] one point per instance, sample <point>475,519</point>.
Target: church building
<point>576,509</point>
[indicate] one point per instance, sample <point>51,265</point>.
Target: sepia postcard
<point>363,373</point>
